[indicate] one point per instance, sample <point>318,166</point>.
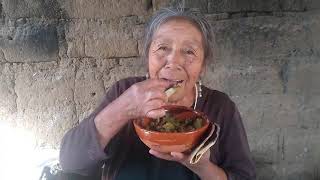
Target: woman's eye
<point>189,52</point>
<point>163,48</point>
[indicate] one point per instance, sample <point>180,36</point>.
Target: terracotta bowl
<point>171,142</point>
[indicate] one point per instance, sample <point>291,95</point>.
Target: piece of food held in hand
<point>179,131</point>
<point>173,91</point>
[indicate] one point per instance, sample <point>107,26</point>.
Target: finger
<point>153,109</point>
<point>157,113</point>
<point>178,156</point>
<point>152,105</point>
<point>156,94</point>
<point>161,155</point>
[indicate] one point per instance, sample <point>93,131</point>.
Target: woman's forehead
<point>168,40</point>
<point>169,31</point>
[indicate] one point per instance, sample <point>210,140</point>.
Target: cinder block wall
<point>58,58</point>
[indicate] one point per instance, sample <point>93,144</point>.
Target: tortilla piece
<point>170,91</point>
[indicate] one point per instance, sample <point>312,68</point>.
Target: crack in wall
<point>3,55</point>
<point>15,92</point>
<point>100,80</point>
<point>75,110</point>
<point>2,15</point>
<point>148,4</point>
<point>122,57</point>
<point>278,146</point>
<point>284,75</point>
<point>283,148</point>
<point>261,120</point>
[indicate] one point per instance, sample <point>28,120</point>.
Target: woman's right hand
<point>141,99</point>
<point>145,99</point>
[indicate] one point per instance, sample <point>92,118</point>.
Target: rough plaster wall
<point>57,59</point>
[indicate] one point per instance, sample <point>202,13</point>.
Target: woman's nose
<point>175,61</point>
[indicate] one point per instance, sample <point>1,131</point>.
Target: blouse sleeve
<point>80,151</point>
<point>234,148</point>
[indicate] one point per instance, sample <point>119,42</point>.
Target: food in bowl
<point>169,140</point>
<point>170,123</point>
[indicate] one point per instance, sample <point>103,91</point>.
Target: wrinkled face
<point>176,54</point>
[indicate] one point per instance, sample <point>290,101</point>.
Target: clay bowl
<point>171,141</point>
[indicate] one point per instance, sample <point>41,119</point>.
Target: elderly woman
<point>178,45</point>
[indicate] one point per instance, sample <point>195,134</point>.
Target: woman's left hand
<point>205,169</point>
<point>183,159</point>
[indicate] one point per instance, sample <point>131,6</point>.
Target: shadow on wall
<point>1,10</point>
<point>28,39</point>
<point>50,9</point>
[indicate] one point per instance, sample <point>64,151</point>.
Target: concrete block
<point>314,29</point>
<point>217,17</point>
<point>312,4</point>
<point>76,27</point>
<point>250,109</point>
<point>76,47</point>
<point>298,171</point>
<point>32,8</point>
<point>8,96</point>
<point>269,111</point>
<point>262,37</point>
<point>111,40</point>
<point>217,6</point>
<point>31,42</point>
<point>302,77</point>
<point>89,88</point>
<point>2,57</point>
<point>301,145</point>
<point>104,9</point>
<point>200,5</point>
<point>244,78</point>
<point>254,80</point>
<point>158,4</point>
<point>290,171</point>
<point>265,145</point>
<point>215,77</point>
<point>292,5</point>
<point>75,32</point>
<point>266,171</point>
<point>280,111</point>
<point>45,99</point>
<point>309,112</point>
<point>138,33</point>
<point>115,69</point>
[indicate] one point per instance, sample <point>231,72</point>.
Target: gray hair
<point>196,19</point>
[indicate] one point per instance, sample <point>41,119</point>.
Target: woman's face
<point>176,54</point>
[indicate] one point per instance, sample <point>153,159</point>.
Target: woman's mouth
<point>175,91</point>
<point>174,82</point>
